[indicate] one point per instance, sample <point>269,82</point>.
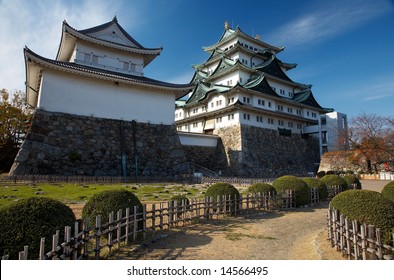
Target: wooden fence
<point>84,241</point>
<point>357,241</point>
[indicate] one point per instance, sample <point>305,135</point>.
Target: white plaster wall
<point>73,94</point>
<point>198,140</point>
<point>107,59</point>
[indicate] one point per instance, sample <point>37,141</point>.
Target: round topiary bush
<point>105,202</point>
<point>352,182</point>
<point>261,188</point>
<point>314,183</point>
<point>28,220</point>
<point>218,190</point>
<point>333,181</point>
<point>293,183</point>
<point>367,207</point>
<point>388,191</point>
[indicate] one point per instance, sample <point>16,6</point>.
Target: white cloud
<point>330,19</point>
<point>37,24</point>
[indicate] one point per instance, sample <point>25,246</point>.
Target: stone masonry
<point>64,144</point>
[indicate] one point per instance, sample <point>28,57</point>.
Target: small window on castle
<point>95,59</point>
<point>87,58</point>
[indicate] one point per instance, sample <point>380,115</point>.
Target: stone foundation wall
<point>64,144</point>
<point>259,152</point>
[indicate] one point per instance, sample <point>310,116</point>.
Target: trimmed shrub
<point>261,188</point>
<point>28,220</point>
<point>352,182</point>
<point>332,180</point>
<point>331,172</point>
<point>367,207</point>
<point>316,183</point>
<point>218,190</point>
<point>388,191</point>
<point>293,183</point>
<point>105,202</point>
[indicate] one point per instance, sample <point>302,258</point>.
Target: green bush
<point>352,182</point>
<point>332,180</point>
<point>261,188</point>
<point>28,220</point>
<point>367,207</point>
<point>314,183</point>
<point>293,183</point>
<point>105,202</point>
<point>388,191</point>
<point>218,190</point>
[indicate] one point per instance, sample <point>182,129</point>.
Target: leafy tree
<point>14,122</point>
<point>372,137</point>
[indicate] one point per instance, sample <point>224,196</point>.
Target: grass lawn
<point>70,193</point>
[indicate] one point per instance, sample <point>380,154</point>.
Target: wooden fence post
<point>97,235</point>
<point>42,249</point>
<point>363,241</point>
<point>153,217</point>
<point>119,227</point>
<point>379,244</point>
<point>355,240</point>
<point>347,231</point>
<point>110,232</point>
<point>144,221</point>
<point>135,223</point>
<point>127,240</point>
<point>371,243</point>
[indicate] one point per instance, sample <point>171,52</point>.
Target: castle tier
<point>243,82</point>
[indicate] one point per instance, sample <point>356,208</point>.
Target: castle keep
<point>97,114</point>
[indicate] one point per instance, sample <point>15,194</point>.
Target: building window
<point>219,119</point>
<point>298,112</point>
<point>290,94</point>
<point>211,104</point>
<point>313,115</point>
<point>280,108</point>
<point>230,117</point>
<point>259,119</point>
<point>290,124</point>
<point>280,122</point>
<point>246,117</point>
<point>218,102</point>
<point>246,99</point>
<point>282,91</point>
<point>270,121</point>
<point>231,100</point>
<point>86,58</point>
<point>269,104</point>
<point>195,124</point>
<point>299,126</point>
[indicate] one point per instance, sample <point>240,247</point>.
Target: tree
<point>14,121</point>
<point>372,136</point>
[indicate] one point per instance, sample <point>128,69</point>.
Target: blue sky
<point>344,48</point>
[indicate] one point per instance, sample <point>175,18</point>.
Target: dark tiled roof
<point>107,73</point>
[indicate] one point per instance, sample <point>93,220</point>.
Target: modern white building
<point>243,82</point>
<point>100,72</point>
